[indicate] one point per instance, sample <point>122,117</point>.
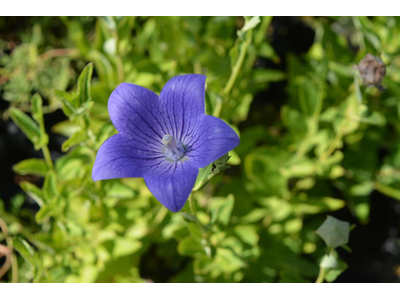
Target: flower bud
<point>372,70</point>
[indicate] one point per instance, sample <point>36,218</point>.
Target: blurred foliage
<point>257,221</point>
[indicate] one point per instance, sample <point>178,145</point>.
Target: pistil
<point>173,150</point>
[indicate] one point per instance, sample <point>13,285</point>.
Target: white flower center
<point>173,150</point>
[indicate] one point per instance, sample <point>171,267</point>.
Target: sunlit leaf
<point>31,166</point>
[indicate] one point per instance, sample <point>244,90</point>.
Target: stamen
<point>173,150</point>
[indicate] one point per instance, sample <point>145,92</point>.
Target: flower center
<point>173,150</point>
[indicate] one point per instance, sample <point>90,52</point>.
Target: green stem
<point>47,157</point>
<point>236,68</point>
<point>14,268</point>
<point>260,35</point>
<point>11,258</point>
<point>321,275</point>
<point>205,240</point>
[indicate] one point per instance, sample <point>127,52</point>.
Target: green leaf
<point>333,266</point>
<point>118,190</point>
<point>250,23</point>
<point>33,191</point>
<point>66,128</point>
<point>190,246</point>
<point>268,75</point>
<point>189,217</point>
<point>44,213</point>
<point>37,111</point>
<point>77,35</point>
<point>28,126</point>
<point>256,215</point>
<point>67,101</point>
<point>125,246</point>
<point>75,139</point>
<point>316,205</point>
<point>334,232</point>
<point>195,230</point>
<point>50,189</point>
<point>221,162</point>
<point>25,250</point>
<point>201,179</point>
<point>227,261</point>
<point>247,233</point>
<point>293,120</point>
<point>83,91</point>
<point>31,166</point>
<point>332,274</point>
<point>311,97</point>
<point>388,191</point>
<point>84,108</point>
<point>225,207</point>
<point>105,132</point>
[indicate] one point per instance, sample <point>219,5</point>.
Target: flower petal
<point>213,139</point>
<point>134,111</point>
<point>121,157</point>
<point>173,186</point>
<point>182,103</point>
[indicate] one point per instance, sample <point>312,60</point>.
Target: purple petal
<point>173,186</point>
<point>213,139</point>
<point>121,157</point>
<point>135,111</point>
<point>182,104</point>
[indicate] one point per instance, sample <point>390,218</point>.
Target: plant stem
<point>11,259</point>
<point>321,275</point>
<point>236,68</point>
<point>14,268</point>
<point>260,35</point>
<point>47,157</point>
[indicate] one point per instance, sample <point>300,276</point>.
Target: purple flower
<point>164,139</point>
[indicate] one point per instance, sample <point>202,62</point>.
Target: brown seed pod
<point>372,70</point>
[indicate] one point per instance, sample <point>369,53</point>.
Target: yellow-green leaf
<point>50,189</point>
<point>27,125</point>
<point>31,166</point>
<point>83,91</point>
<point>75,139</point>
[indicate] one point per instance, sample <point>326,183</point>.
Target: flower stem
<point>236,68</point>
<point>47,157</point>
<point>321,275</point>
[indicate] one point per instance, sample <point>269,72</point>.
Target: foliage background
<point>313,142</point>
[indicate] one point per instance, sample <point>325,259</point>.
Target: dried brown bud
<point>372,70</point>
